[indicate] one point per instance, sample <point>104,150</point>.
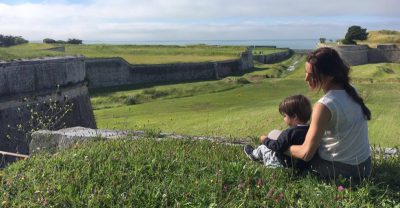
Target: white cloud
<point>184,19</point>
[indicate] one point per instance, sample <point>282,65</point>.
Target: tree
<point>9,40</point>
<point>74,41</point>
<point>355,33</point>
<point>49,41</point>
<point>322,40</point>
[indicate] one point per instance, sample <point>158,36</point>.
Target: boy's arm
<point>279,145</point>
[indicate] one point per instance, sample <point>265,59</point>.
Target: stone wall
<point>384,53</point>
<point>362,54</point>
<point>31,84</point>
<point>108,72</point>
<point>353,54</point>
<point>273,58</point>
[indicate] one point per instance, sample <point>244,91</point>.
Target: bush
<point>49,41</point>
<point>74,41</point>
<point>347,42</point>
<point>9,40</point>
<point>355,33</point>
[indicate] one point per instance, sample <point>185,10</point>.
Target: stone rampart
<point>274,57</point>
<point>353,54</point>
<point>26,90</point>
<point>384,53</point>
<point>362,54</point>
<point>106,72</point>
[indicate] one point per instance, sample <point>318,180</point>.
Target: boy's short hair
<point>296,105</point>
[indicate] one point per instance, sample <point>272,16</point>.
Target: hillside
<point>135,54</point>
<point>186,173</point>
<point>382,36</point>
<point>181,173</point>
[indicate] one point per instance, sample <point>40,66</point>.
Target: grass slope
<point>240,110</point>
<point>175,173</point>
<point>136,54</point>
<point>382,36</point>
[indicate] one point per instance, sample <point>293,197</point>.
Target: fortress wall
<point>40,74</point>
<point>362,54</point>
<point>30,84</point>
<point>353,54</point>
<point>106,72</point>
<point>384,53</point>
<point>273,58</point>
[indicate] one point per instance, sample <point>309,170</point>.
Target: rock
<point>65,138</point>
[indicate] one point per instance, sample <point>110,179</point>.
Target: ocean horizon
<point>279,43</point>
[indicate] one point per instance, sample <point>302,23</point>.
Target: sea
<point>282,43</point>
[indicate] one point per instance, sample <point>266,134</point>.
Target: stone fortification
<point>362,54</point>
<point>108,72</point>
<point>274,57</point>
<point>353,54</point>
<point>384,53</point>
<point>31,84</point>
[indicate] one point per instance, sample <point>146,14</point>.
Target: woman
<point>338,128</point>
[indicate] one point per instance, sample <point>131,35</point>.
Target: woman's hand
<point>319,122</point>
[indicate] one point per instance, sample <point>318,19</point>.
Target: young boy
<point>296,111</point>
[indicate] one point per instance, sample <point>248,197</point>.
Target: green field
<point>266,50</point>
<point>135,54</point>
<point>382,36</point>
<point>181,173</point>
<point>186,173</point>
<point>244,106</point>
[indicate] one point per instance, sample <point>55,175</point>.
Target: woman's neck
<point>331,86</point>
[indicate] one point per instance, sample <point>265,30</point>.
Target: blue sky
<point>141,20</point>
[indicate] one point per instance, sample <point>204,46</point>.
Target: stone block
<point>53,141</point>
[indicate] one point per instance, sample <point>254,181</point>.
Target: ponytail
<point>353,94</point>
<point>326,61</point>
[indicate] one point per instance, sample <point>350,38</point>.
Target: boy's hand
<point>262,139</point>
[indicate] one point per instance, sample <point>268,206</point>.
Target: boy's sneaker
<point>248,150</point>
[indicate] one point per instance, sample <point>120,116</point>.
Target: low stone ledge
<point>65,138</point>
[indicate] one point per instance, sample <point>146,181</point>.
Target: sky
<point>147,20</point>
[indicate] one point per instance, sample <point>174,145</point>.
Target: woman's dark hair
<point>296,105</point>
<point>326,61</point>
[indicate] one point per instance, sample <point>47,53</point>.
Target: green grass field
<point>187,173</point>
<point>266,50</point>
<point>135,54</point>
<point>181,173</point>
<point>244,106</point>
<point>382,36</point>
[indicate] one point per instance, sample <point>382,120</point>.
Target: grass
<point>135,54</point>
<point>266,50</point>
<point>175,173</point>
<point>147,173</point>
<point>382,36</point>
<point>241,110</point>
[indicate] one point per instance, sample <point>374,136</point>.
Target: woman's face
<point>308,78</point>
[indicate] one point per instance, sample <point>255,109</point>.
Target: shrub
<point>49,41</point>
<point>9,40</point>
<point>355,33</point>
<point>74,41</point>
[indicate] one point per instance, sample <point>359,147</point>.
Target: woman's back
<point>346,138</point>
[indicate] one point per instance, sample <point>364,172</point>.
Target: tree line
<point>69,41</point>
<point>9,40</point>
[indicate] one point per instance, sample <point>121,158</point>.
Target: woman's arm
<point>319,122</point>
